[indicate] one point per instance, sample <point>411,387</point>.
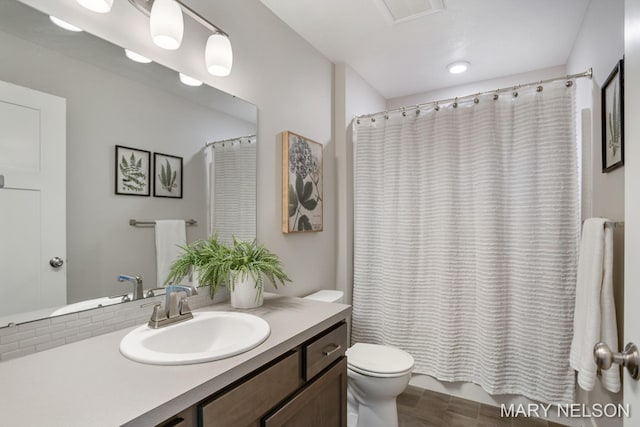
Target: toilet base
<point>380,414</point>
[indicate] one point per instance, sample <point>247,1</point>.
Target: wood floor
<point>425,408</point>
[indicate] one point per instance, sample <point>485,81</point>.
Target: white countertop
<point>90,384</point>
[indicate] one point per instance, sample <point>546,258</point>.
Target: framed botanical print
<point>132,171</point>
<point>167,172</point>
<point>613,119</point>
<point>301,184</point>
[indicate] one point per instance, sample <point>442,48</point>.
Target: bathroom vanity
<point>298,373</point>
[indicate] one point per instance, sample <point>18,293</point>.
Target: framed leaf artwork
<point>167,172</point>
<point>132,171</point>
<point>301,184</point>
<point>613,119</point>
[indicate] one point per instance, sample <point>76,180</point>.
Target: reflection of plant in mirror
<point>614,122</point>
<point>168,177</point>
<point>133,178</point>
<point>304,165</point>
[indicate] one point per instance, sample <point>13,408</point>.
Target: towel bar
<point>151,223</point>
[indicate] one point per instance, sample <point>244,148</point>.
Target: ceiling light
<point>458,67</point>
<point>218,55</point>
<point>166,23</point>
<point>100,6</point>
<point>136,57</point>
<point>189,81</point>
<point>64,24</point>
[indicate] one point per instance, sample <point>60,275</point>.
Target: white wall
<point>481,86</point>
<point>275,69</point>
<point>353,96</point>
<point>104,109</point>
<point>600,44</point>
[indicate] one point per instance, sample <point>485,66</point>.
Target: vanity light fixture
<point>64,24</point>
<point>166,24</point>
<point>99,6</point>
<point>167,28</point>
<point>458,67</point>
<point>189,81</point>
<point>136,57</point>
<point>218,55</point>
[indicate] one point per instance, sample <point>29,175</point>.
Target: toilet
<point>377,375</point>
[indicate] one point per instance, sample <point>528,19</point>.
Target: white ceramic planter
<point>244,293</point>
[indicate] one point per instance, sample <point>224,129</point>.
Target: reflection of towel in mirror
<point>595,311</point>
<point>169,234</point>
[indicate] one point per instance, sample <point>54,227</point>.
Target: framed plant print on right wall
<point>301,184</point>
<point>613,119</point>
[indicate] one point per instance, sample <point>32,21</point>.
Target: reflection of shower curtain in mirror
<point>231,170</point>
<point>466,224</point>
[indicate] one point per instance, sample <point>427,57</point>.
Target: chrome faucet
<point>176,306</point>
<point>138,292</point>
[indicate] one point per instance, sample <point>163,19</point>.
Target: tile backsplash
<point>39,335</point>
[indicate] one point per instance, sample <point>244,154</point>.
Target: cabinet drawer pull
<point>335,348</point>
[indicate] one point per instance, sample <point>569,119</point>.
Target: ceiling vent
<point>399,11</point>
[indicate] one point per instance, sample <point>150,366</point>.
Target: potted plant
<point>242,267</point>
<point>199,261</point>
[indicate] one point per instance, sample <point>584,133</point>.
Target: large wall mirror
<point>110,101</point>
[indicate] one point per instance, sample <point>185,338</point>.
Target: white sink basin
<point>208,336</point>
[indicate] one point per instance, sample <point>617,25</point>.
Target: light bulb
<point>458,67</point>
<point>219,55</point>
<point>136,57</point>
<point>64,24</point>
<point>189,81</point>
<point>166,24</point>
<point>100,6</point>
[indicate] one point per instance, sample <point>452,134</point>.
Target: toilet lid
<point>378,359</point>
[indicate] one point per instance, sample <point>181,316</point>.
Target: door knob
<point>629,358</point>
<point>56,262</point>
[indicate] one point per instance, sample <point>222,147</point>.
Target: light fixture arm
<point>144,6</point>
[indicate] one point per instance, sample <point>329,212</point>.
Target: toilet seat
<point>380,361</point>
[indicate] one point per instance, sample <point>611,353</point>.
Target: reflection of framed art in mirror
<point>132,171</point>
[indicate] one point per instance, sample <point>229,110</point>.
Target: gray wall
<point>104,109</point>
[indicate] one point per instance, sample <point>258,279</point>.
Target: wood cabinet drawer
<point>249,401</point>
<point>324,350</point>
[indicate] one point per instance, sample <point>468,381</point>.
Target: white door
<point>632,199</point>
<point>32,199</point>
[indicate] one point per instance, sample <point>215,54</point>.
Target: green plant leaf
<point>124,162</point>
<point>310,204</point>
<point>293,201</point>
<point>304,224</point>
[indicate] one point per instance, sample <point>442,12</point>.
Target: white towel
<point>595,313</point>
<point>169,234</point>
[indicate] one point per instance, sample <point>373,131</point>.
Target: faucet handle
<point>184,306</point>
<point>158,314</point>
<point>150,292</point>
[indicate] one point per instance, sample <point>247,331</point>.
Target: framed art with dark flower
<point>613,119</point>
<point>132,171</point>
<point>301,184</point>
<point>167,172</point>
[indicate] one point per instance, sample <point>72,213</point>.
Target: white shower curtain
<point>466,225</point>
<point>231,177</point>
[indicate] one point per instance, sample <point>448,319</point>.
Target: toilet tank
<point>327,296</point>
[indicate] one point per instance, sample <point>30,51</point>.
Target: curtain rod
<point>588,74</point>
<point>229,140</point>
